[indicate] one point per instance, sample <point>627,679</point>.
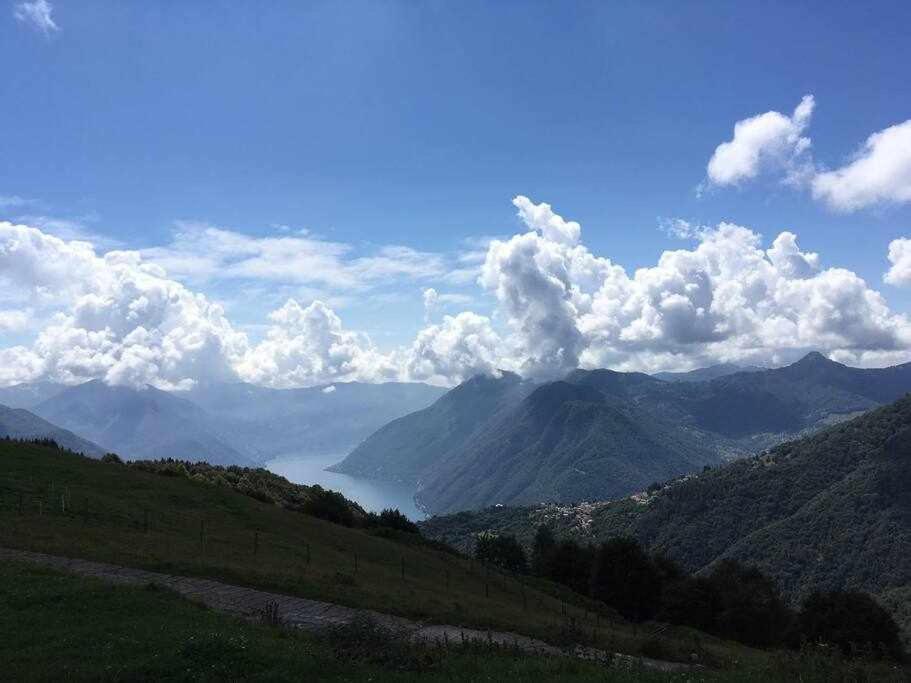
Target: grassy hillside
<point>56,626</point>
<point>78,507</point>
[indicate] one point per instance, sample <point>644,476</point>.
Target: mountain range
<point>600,434</point>
<point>707,373</point>
<point>825,512</point>
<point>18,423</point>
<point>223,424</point>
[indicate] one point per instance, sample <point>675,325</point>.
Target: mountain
<point>566,440</point>
<point>330,419</point>
<point>406,448</point>
<point>17,423</point>
<point>704,374</point>
<point>600,434</point>
<point>29,395</point>
<point>139,424</point>
<point>829,511</point>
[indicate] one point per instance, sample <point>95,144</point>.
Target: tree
<point>749,607</point>
<point>571,565</point>
<point>852,621</point>
<point>503,551</point>
<point>626,578</point>
<point>542,550</point>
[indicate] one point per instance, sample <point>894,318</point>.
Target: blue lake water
<point>371,494</point>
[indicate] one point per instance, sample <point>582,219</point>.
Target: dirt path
<point>311,615</point>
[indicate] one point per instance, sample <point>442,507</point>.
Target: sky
<point>296,193</point>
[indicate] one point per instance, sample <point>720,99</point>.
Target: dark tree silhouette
<point>627,579</point>
<point>853,621</point>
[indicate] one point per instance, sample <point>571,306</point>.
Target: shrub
<point>329,505</point>
<point>852,621</point>
<point>626,578</point>
<point>749,607</point>
<point>111,459</point>
<point>503,551</point>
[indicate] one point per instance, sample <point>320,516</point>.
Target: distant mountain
<point>139,424</point>
<point>29,395</point>
<point>601,434</point>
<point>406,448</point>
<point>17,423</point>
<point>329,419</point>
<point>566,440</point>
<point>829,511</point>
<point>705,374</point>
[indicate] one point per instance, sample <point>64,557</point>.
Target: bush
<point>329,505</point>
<point>502,551</point>
<point>627,579</point>
<point>391,518</point>
<point>853,622</point>
<point>111,459</point>
<point>748,606</point>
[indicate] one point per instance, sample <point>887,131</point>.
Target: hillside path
<point>311,615</point>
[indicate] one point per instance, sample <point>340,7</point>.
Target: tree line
<point>732,601</point>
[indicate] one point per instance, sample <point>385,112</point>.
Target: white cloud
<point>329,390</point>
<point>557,306</point>
<point>459,347</point>
<point>540,217</point>
<point>900,258</point>
<point>13,320</point>
<point>727,299</point>
<point>879,173</point>
<point>308,345</point>
<point>769,140</point>
<point>202,253</point>
<point>36,14</point>
<point>121,319</point>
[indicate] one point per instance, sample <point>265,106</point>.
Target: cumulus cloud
<point>454,350</point>
<point>769,140</point>
<point>308,345</point>
<point>879,173</point>
<point>727,299</point>
<point>122,319</point>
<point>900,258</point>
<point>37,15</point>
<point>13,320</point>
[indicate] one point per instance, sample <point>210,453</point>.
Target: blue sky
<point>415,124</point>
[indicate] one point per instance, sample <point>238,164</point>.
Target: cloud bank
<point>122,316</point>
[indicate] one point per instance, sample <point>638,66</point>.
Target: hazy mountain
<point>705,374</point>
<point>139,424</point>
<point>17,423</point>
<point>601,434</point>
<point>564,441</point>
<point>328,419</point>
<point>29,395</point>
<point>829,511</point>
<point>406,448</point>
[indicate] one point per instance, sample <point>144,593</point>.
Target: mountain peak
<point>815,358</point>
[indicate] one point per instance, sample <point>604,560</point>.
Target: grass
<point>62,504</point>
<point>55,626</point>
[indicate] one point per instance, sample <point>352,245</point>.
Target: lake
<point>373,495</point>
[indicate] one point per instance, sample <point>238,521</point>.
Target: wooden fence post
<point>255,543</point>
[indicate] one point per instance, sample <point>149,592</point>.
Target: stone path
<point>311,615</point>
